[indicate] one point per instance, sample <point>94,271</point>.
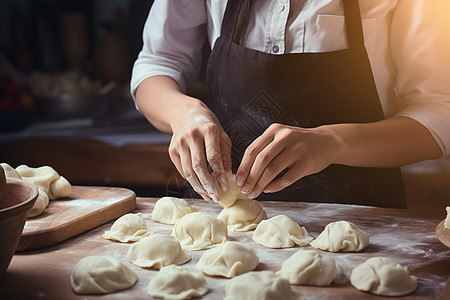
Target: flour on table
<point>157,251</point>
<point>174,282</point>
<point>228,260</point>
<point>341,236</point>
<point>260,285</point>
<point>128,228</point>
<point>101,275</point>
<point>383,276</point>
<point>168,210</point>
<point>309,267</point>
<point>199,231</point>
<point>281,232</point>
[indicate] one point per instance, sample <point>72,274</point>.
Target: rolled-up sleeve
<point>420,40</point>
<point>173,38</point>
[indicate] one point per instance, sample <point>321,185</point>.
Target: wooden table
<point>411,240</point>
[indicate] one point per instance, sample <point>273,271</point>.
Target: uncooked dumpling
<point>281,232</point>
<point>309,267</point>
<point>233,192</point>
<point>101,275</point>
<point>260,285</point>
<point>228,260</point>
<point>128,228</point>
<point>173,282</point>
<point>341,236</point>
<point>169,210</point>
<point>199,231</point>
<point>447,219</point>
<point>383,276</point>
<point>243,215</point>
<point>157,251</point>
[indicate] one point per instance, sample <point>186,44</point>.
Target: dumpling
<point>228,260</point>
<point>383,276</point>
<point>199,231</point>
<point>128,228</point>
<point>173,282</point>
<point>281,232</point>
<point>447,219</point>
<point>169,210</point>
<point>157,251</point>
<point>309,267</point>
<point>233,192</point>
<point>101,275</point>
<point>260,285</point>
<point>243,215</point>
<point>343,236</point>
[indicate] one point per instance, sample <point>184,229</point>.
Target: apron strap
<point>353,25</point>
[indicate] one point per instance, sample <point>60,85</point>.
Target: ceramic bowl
<point>18,199</point>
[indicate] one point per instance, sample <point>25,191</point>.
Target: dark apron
<point>249,90</point>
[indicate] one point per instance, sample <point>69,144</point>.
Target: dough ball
<point>260,285</point>
<point>383,276</point>
<point>228,260</point>
<point>157,251</point>
<point>447,219</point>
<point>233,192</point>
<point>281,232</point>
<point>101,275</point>
<point>42,177</point>
<point>59,188</point>
<point>173,282</point>
<point>199,231</point>
<point>40,205</point>
<point>128,228</point>
<point>341,236</point>
<point>169,210</point>
<point>309,267</point>
<point>243,215</point>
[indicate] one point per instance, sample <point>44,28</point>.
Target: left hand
<point>303,151</point>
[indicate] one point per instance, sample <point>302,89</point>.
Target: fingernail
<point>205,197</point>
<point>245,189</point>
<point>239,180</point>
<point>253,195</point>
<point>214,198</point>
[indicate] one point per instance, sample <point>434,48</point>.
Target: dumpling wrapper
<point>233,192</point>
<point>101,275</point>
<point>168,210</point>
<point>243,215</point>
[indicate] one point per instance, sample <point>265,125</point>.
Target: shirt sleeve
<point>173,38</point>
<point>420,39</point>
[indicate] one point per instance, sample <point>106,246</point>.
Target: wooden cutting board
<point>85,208</point>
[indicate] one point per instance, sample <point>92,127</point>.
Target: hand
<point>302,151</point>
<point>199,138</point>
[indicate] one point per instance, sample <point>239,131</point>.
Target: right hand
<point>198,139</point>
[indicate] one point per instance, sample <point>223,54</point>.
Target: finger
<point>189,174</point>
<point>248,160</point>
<point>200,169</point>
<point>214,157</point>
<point>225,145</point>
<point>291,176</point>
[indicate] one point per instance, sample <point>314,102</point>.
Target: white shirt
<point>408,43</point>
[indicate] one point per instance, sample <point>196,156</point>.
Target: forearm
<point>392,142</point>
<point>161,101</point>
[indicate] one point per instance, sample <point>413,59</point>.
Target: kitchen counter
<point>399,234</point>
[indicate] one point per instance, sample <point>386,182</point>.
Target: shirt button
<point>275,48</point>
<point>280,7</point>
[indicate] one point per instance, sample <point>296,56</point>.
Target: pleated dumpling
<point>169,210</point>
<point>199,231</point>
<point>281,232</point>
<point>243,215</point>
<point>157,251</point>
<point>228,260</point>
<point>128,228</point>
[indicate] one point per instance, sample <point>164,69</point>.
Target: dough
<point>281,232</point>
<point>169,210</point>
<point>199,231</point>
<point>383,276</point>
<point>260,285</point>
<point>157,251</point>
<point>228,260</point>
<point>101,275</point>
<point>173,282</point>
<point>447,219</point>
<point>341,235</point>
<point>10,172</point>
<point>243,215</point>
<point>233,192</point>
<point>309,267</point>
<point>128,228</point>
